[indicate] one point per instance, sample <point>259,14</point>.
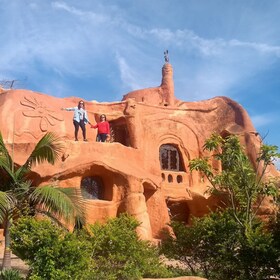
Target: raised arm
<point>68,109</point>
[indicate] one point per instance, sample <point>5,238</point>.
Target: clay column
<point>167,84</point>
<point>135,205</point>
<point>133,123</point>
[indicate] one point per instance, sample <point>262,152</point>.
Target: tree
<point>245,187</point>
<point>19,197</point>
<point>118,253</point>
<point>231,243</point>
<point>216,246</point>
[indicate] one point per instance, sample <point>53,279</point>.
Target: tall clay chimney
<point>167,84</point>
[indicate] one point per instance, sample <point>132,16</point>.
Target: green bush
<point>111,251</point>
<point>274,228</point>
<point>10,274</point>
<point>216,245</point>
<point>51,252</point>
<point>232,244</point>
<point>119,254</point>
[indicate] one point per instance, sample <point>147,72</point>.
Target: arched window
<point>92,188</point>
<point>170,158</point>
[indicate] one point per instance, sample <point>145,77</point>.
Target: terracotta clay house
<point>144,169</point>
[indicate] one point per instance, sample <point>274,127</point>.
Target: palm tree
<point>19,197</point>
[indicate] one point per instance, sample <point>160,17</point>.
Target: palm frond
<point>22,171</point>
<point>6,203</point>
<point>52,218</point>
<point>47,149</point>
<point>22,189</point>
<point>60,202</point>
<point>4,153</point>
<point>5,165</point>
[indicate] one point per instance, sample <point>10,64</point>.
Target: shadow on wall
<point>119,132</point>
<point>178,210</point>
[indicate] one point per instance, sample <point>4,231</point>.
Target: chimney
<point>167,84</point>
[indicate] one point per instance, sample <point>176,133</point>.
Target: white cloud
<point>81,38</point>
<point>63,6</point>
<point>61,46</point>
<point>261,48</point>
<point>220,64</point>
<point>263,119</point>
<point>189,39</point>
<point>97,18</point>
<point>127,74</point>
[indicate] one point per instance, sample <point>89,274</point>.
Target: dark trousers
<point>101,137</point>
<point>83,127</point>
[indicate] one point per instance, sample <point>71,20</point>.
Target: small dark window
<point>179,179</point>
<point>170,158</point>
<point>92,188</point>
<point>170,178</point>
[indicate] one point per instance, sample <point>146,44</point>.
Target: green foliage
<point>245,186</point>
<point>17,191</point>
<point>10,274</point>
<point>268,154</point>
<point>112,251</point>
<point>51,252</point>
<point>19,198</point>
<point>216,245</point>
<point>231,244</point>
<point>195,245</point>
<point>274,229</point>
<point>119,254</point>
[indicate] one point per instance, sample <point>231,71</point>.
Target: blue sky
<point>100,50</point>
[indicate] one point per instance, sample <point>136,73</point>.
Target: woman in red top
<point>103,129</point>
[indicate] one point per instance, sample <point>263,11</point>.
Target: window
<point>179,179</point>
<point>170,158</point>
<point>92,188</point>
<point>170,178</point>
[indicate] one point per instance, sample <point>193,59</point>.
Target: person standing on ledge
<point>80,118</point>
<point>103,129</point>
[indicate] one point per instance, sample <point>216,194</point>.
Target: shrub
<point>112,251</point>
<point>120,254</point>
<point>10,274</point>
<point>51,252</point>
<point>217,246</point>
<point>274,228</point>
<point>232,244</point>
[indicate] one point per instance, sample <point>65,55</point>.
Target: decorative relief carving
<point>38,109</point>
